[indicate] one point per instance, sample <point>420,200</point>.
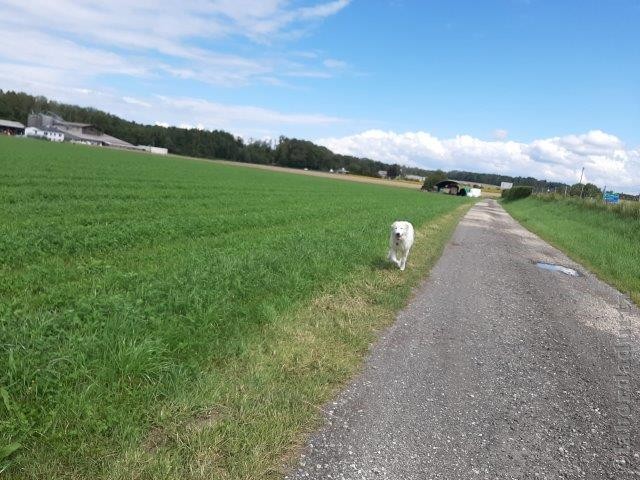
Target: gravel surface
<point>497,369</point>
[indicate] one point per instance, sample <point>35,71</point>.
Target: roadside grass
<point>169,318</point>
<point>625,208</point>
<point>605,240</point>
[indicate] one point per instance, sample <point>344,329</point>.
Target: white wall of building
<point>48,134</point>
<point>54,136</point>
<point>156,150</point>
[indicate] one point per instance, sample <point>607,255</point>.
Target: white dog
<point>400,242</point>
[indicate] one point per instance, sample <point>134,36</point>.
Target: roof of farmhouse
<point>10,124</point>
<point>74,124</point>
<point>86,137</point>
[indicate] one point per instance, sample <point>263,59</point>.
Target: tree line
<point>496,179</point>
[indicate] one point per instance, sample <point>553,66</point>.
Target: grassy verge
<point>273,393</point>
<point>167,318</point>
<point>604,240</point>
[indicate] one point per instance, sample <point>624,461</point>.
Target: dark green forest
<point>496,179</point>
<point>218,144</point>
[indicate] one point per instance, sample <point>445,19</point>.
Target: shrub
<point>624,209</point>
<point>433,178</point>
<point>516,193</point>
<point>588,190</point>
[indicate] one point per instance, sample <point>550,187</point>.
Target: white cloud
<point>605,158</point>
<point>212,115</point>
<point>500,134</point>
<point>135,101</point>
<point>88,38</point>
<point>333,63</point>
<point>323,10</point>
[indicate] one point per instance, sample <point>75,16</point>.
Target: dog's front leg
<point>402,263</point>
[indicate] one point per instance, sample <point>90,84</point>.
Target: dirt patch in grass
<point>160,437</point>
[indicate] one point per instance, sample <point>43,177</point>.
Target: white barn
<point>51,135</point>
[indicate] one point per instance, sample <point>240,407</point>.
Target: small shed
<point>450,187</point>
<point>9,127</point>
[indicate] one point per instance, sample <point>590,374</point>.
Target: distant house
<point>382,173</point>
<point>462,189</point>
<point>74,131</point>
<point>343,171</point>
<point>417,178</point>
<point>9,127</point>
<point>448,186</point>
<point>51,135</point>
<point>156,150</point>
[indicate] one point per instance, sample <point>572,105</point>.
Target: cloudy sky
<point>521,87</point>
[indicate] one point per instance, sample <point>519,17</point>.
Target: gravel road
<point>497,369</point>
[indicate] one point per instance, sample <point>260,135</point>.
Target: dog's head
<point>399,230</point>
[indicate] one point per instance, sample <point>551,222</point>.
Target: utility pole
<point>582,189</point>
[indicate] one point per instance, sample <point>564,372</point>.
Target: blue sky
<point>520,87</point>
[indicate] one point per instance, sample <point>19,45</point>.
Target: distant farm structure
<point>74,131</point>
<point>459,188</point>
<point>9,127</point>
<point>47,134</point>
<point>53,127</point>
<point>414,178</point>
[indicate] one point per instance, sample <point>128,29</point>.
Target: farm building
<point>156,150</point>
<point>73,131</point>
<point>453,187</point>
<point>415,178</point>
<point>449,186</point>
<point>51,135</point>
<point>9,127</point>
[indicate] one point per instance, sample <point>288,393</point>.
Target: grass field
<point>178,319</point>
<point>604,240</point>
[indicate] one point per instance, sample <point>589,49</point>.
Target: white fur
<point>400,242</point>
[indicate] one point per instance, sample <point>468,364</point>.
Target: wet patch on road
<point>558,268</point>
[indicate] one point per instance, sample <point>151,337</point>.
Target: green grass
<point>605,240</point>
<point>173,318</point>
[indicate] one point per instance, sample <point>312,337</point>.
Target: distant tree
<point>591,191</point>
<point>393,171</point>
<point>517,192</point>
<point>588,190</point>
<point>432,178</point>
<point>575,189</point>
